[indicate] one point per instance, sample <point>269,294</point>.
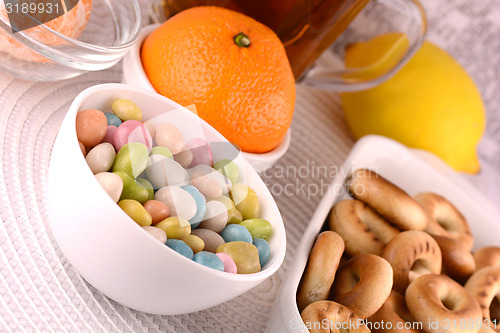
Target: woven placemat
<point>41,292</point>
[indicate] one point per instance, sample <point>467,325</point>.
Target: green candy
<point>160,150</point>
<point>147,185</point>
<point>228,168</point>
<point>244,255</point>
<point>136,211</point>
<point>131,159</point>
<point>126,109</point>
<point>132,189</point>
<point>246,201</point>
<point>259,228</point>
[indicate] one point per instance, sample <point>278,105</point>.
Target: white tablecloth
<point>39,289</point>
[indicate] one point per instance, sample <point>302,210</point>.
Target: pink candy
<point>110,134</point>
<point>132,131</point>
<point>229,265</point>
<point>202,153</point>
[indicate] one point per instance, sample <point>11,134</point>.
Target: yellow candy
<point>175,227</point>
<point>195,243</point>
<point>126,109</point>
<point>244,255</point>
<point>136,211</point>
<point>246,201</point>
<point>259,228</point>
<point>233,215</point>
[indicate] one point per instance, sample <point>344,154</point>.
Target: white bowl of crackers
<point>398,244</point>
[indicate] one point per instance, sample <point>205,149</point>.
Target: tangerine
<point>233,68</point>
<point>70,24</point>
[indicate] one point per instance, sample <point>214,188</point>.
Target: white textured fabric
<point>39,289</point>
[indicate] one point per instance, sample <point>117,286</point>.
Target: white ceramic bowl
<point>409,171</point>
<point>111,251</point>
<point>133,74</point>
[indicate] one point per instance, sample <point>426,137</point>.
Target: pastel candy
<point>202,153</point>
<point>160,150</point>
<point>111,183</point>
<point>135,211</point>
<point>180,247</point>
<point>244,254</point>
<point>126,109</point>
<point>206,185</point>
<point>179,202</point>
<point>223,181</point>
<point>246,201</point>
<point>110,134</point>
<point>91,127</point>
<point>113,119</point>
<point>101,157</point>
<point>264,250</point>
<point>229,265</point>
<point>175,227</point>
<point>164,171</point>
<point>233,215</point>
<point>82,148</point>
<point>215,218</point>
<point>211,239</point>
<point>201,205</point>
<point>236,232</point>
<point>150,127</point>
<point>157,233</point>
<point>210,260</point>
<point>131,159</point>
<point>132,131</point>
<point>184,157</point>
<point>195,243</point>
<point>169,136</point>
<point>147,185</point>
<point>157,209</point>
<point>132,189</point>
<point>259,228</point>
<point>228,168</point>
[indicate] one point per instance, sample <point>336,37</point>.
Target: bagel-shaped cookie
<point>487,256</point>
<point>363,284</point>
<point>362,229</point>
<point>331,317</point>
<point>391,202</point>
<point>458,262</point>
<point>393,316</point>
<point>320,270</point>
<point>445,219</point>
<point>442,305</point>
<point>484,286</point>
<point>411,254</point>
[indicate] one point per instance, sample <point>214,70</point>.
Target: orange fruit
<point>233,68</point>
<point>70,24</point>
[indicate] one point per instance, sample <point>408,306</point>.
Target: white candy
<point>163,171</point>
<point>216,217</point>
<point>206,185</point>
<point>169,136</point>
<point>157,233</point>
<point>223,181</point>
<point>179,202</point>
<point>101,157</point>
<point>111,183</point>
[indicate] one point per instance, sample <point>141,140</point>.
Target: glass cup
<point>316,33</point>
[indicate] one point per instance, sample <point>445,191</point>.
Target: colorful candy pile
<point>173,190</point>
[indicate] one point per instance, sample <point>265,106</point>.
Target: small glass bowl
<point>111,30</point>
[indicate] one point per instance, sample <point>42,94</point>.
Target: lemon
<point>431,104</point>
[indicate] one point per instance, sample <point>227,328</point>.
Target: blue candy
<point>209,259</point>
<point>113,119</point>
<point>181,247</point>
<point>201,205</point>
<point>236,232</point>
<point>264,250</point>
